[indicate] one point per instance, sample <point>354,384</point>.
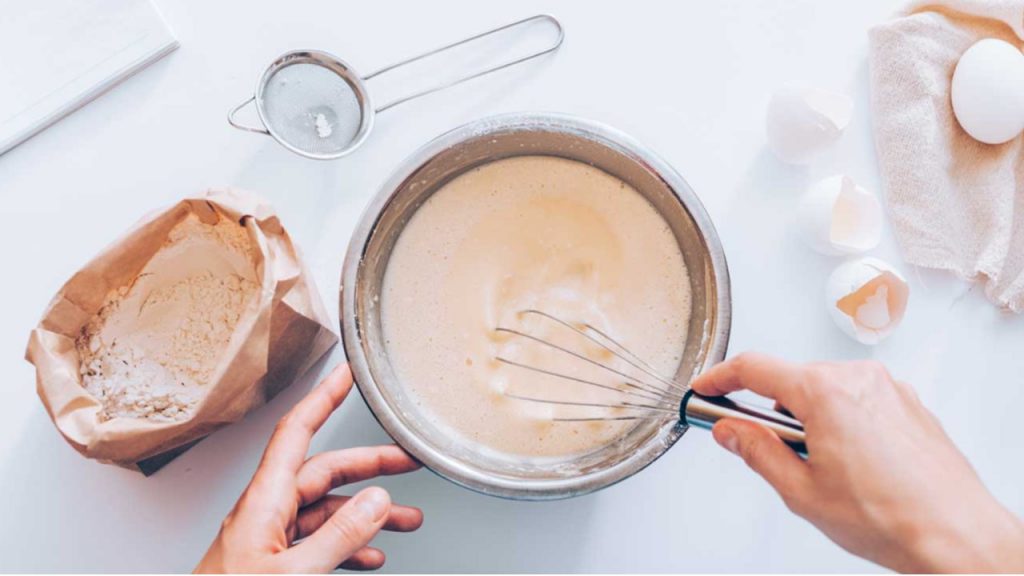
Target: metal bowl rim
<point>450,468</point>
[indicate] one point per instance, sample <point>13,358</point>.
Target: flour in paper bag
<point>152,349</point>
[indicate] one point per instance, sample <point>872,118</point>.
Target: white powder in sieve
<point>323,127</point>
<point>152,349</point>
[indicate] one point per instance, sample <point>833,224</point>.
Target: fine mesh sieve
<point>316,105</point>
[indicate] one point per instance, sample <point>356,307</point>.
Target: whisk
<point>641,391</point>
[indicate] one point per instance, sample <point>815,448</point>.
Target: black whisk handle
<point>704,411</point>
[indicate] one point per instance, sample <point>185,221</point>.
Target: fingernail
<point>726,438</point>
<point>373,503</point>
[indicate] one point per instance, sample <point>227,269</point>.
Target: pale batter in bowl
<point>528,232</point>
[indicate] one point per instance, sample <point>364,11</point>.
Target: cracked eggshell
<point>837,217</point>
<point>867,299</point>
<point>802,122</point>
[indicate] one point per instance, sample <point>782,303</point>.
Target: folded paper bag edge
<point>146,446</point>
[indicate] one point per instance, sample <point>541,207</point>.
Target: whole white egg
<point>988,91</point>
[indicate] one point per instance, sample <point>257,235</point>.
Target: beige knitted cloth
<point>955,203</point>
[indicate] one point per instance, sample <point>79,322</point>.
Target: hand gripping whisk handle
<point>704,411</point>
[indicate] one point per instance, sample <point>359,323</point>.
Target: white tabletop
<point>690,80</point>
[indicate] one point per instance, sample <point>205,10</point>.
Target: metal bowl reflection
<point>425,172</point>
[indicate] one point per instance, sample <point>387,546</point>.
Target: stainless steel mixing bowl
<point>430,168</point>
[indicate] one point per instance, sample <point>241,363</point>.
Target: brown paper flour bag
<point>280,330</point>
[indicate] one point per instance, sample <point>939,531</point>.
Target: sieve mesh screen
<point>312,108</point>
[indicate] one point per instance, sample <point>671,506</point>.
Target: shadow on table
<point>165,522</point>
<point>468,532</point>
<point>130,522</point>
<point>464,531</point>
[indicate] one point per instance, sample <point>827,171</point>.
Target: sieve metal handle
<point>704,411</point>
<point>239,125</point>
<point>449,84</point>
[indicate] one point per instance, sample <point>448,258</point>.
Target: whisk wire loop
<point>672,398</point>
<point>657,399</point>
<point>628,380</point>
<point>620,405</point>
<point>639,394</point>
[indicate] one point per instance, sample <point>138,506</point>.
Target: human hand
<point>285,520</point>
<point>882,479</point>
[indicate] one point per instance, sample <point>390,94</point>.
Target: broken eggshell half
<point>802,122</point>
<point>837,217</point>
<point>867,299</point>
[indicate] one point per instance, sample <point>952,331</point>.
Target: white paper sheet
<point>57,55</point>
